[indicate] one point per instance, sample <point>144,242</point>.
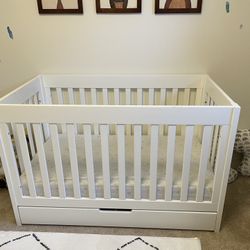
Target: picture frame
<point>118,7</point>
<point>178,6</point>
<point>60,6</point>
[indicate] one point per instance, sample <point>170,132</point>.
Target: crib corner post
<point>229,152</point>
<point>45,95</point>
<point>217,227</point>
<point>10,170</point>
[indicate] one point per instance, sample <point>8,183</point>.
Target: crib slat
<point>174,96</point>
<point>151,96</point>
<point>42,159</point>
<point>71,102</point>
<point>210,101</point>
<point>162,102</point>
<point>61,102</point>
<point>26,159</point>
<point>29,128</point>
<point>186,97</point>
<point>89,160</point>
<point>170,162</point>
<point>105,96</point>
<point>94,102</point>
<point>58,160</point>
<point>30,136</point>
<point>73,160</point>
<point>163,97</point>
<point>31,140</point>
<point>204,157</point>
<point>107,99</point>
<point>186,162</point>
<point>117,96</point>
<point>139,96</point>
<point>18,147</point>
<point>137,160</point>
<point>31,100</point>
<point>128,96</point>
<point>198,96</point>
<point>128,102</point>
<point>169,96</point>
<point>185,102</point>
<point>117,100</point>
<point>35,97</point>
<point>71,96</point>
<point>46,99</point>
<point>150,102</point>
<point>121,161</point>
<point>40,98</point>
<point>153,161</point>
<point>82,96</point>
<point>59,95</point>
<point>215,141</point>
<point>206,101</point>
<point>93,97</point>
<point>105,160</point>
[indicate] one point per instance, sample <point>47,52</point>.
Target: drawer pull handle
<point>115,210</point>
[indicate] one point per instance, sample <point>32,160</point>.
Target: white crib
<point>123,150</point>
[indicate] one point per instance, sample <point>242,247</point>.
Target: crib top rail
<point>123,81</point>
<point>113,114</point>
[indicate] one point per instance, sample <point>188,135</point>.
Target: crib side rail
<point>84,116</point>
<point>124,89</point>
<point>29,93</point>
<point>173,115</point>
<point>81,191</point>
<point>214,95</point>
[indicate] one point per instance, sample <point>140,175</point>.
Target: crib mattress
<point>113,158</point>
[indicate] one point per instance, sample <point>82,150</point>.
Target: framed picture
<point>60,6</point>
<point>177,6</point>
<point>118,6</point>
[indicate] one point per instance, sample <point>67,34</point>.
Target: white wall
<point>210,43</point>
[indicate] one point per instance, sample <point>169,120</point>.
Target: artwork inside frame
<point>60,6</point>
<point>177,6</point>
<point>118,6</point>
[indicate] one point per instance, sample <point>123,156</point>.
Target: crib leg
<point>10,169</point>
<point>231,140</point>
<point>217,227</point>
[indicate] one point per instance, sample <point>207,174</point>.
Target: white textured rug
<point>60,241</point>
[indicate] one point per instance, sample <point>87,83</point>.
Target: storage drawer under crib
<point>118,217</point>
